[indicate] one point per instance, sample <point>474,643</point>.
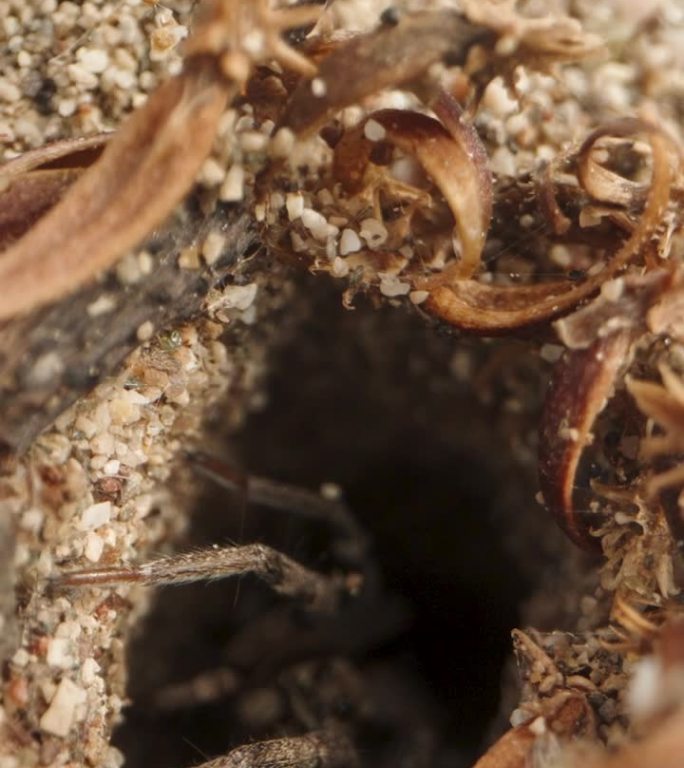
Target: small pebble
<point>60,716</point>
<point>349,242</point>
<point>294,203</point>
<point>94,547</point>
<point>233,187</point>
<point>58,654</point>
<point>373,232</point>
<point>95,515</point>
<point>213,246</point>
<point>373,131</point>
<point>318,87</point>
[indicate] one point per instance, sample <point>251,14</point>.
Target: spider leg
<point>284,575</point>
<point>328,748</point>
<point>352,545</point>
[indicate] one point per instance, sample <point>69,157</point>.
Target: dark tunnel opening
<point>366,400</point>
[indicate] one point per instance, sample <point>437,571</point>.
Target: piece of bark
<point>51,357</point>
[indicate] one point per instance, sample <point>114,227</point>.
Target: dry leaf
<point>144,172</point>
<point>582,382</point>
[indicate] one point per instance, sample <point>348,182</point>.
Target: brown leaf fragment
<point>144,172</point>
<point>386,57</point>
<point>512,750</point>
<point>581,384</point>
<point>29,198</point>
<point>32,183</point>
<point>69,153</point>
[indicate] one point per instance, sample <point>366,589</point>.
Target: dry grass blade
<point>144,172</point>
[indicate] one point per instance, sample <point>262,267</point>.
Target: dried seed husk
<point>143,173</point>
<point>581,384</point>
<point>491,309</point>
<point>386,57</point>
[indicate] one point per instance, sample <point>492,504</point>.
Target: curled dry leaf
<point>582,382</point>
<point>451,154</point>
<point>389,56</point>
<point>601,183</point>
<point>143,173</point>
<point>32,183</point>
<point>489,309</point>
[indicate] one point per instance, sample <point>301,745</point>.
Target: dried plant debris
<point>502,168</point>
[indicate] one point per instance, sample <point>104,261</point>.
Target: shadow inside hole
<point>356,399</point>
